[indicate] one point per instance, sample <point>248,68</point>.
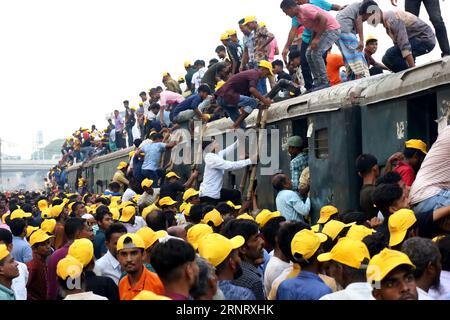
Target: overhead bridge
<point>26,165</point>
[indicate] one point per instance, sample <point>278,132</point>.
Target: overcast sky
<point>66,64</point>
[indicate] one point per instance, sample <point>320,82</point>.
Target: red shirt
<point>407,172</point>
<point>239,84</point>
<point>37,279</point>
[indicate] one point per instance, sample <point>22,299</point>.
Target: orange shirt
<point>148,281</point>
<point>334,62</point>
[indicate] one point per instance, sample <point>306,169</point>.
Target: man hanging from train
<point>299,159</point>
<point>234,95</point>
<point>411,36</point>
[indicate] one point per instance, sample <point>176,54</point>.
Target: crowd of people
<point>152,235</point>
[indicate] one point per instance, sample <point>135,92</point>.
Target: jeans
<point>306,71</point>
<point>315,56</point>
<point>247,103</point>
<point>120,141</point>
<point>394,60</point>
<point>442,199</point>
<point>86,152</point>
<point>154,175</point>
<point>284,84</point>
<point>434,12</point>
<point>130,136</point>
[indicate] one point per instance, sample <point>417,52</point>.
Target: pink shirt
<point>307,17</point>
<point>273,46</point>
<point>169,97</point>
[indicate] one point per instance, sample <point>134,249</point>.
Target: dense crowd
<point>152,235</point>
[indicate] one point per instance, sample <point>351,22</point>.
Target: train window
<point>321,143</point>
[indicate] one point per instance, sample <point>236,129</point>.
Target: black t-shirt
<point>284,75</point>
<point>426,226</point>
<point>171,190</point>
<point>366,202</point>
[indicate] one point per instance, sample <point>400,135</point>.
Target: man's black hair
<point>240,227</point>
<point>137,142</point>
<point>195,214</point>
<point>116,227</point>
<point>204,88</point>
<point>155,105</point>
<point>142,93</point>
<point>220,48</point>
<point>199,63</point>
<point>241,21</point>
<point>17,227</point>
<point>278,63</point>
<point>212,61</point>
<point>76,205</point>
<point>294,54</point>
<point>365,5</point>
<point>422,252</point>
<point>206,143</point>
<point>114,185</point>
<point>375,243</point>
<point>104,201</point>
<point>224,208</point>
<point>444,248</point>
<point>271,228</point>
<point>125,101</point>
<point>385,195</point>
<point>286,4</point>
<point>169,256</point>
<point>56,202</point>
<point>370,41</point>
<point>157,220</point>
<point>353,216</point>
<point>411,152</point>
<point>6,236</point>
<point>100,212</point>
<point>279,181</point>
<point>285,235</point>
<point>365,163</point>
<point>72,226</point>
<point>157,136</point>
<point>27,208</point>
<point>391,177</point>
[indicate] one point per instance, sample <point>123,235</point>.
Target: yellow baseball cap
<point>42,204</point>
<point>115,213</point>
<point>19,214</point>
<point>359,232</point>
<point>121,165</point>
<point>315,228</point>
<point>172,174</point>
<point>262,24</point>
<point>149,209</point>
<point>30,230</point>
<point>166,201</point>
<point>187,63</point>
<point>306,242</point>
<point>384,262</point>
<point>219,85</point>
<point>326,212</point>
<point>399,223</point>
<point>231,32</point>
<point>224,36</point>
<point>127,213</point>
<point>136,197</point>
<point>55,211</point>
<point>266,64</point>
<point>149,236</point>
<point>249,19</point>
<point>187,209</point>
<point>371,37</point>
<point>245,216</point>
<point>4,217</point>
<point>48,225</point>
<point>133,108</point>
<point>264,216</point>
<point>234,206</point>
<point>3,251</point>
<point>180,78</point>
<point>136,242</point>
<point>69,267</point>
<point>165,74</point>
<point>215,247</point>
<point>416,144</point>
<point>197,232</point>
<point>39,236</point>
<point>214,216</point>
<point>149,295</point>
<point>333,227</point>
<point>191,192</point>
<point>82,250</point>
<point>347,251</point>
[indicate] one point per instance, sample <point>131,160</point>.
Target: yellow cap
<point>215,247</point>
<point>306,242</point>
<point>133,108</point>
<point>115,213</point>
<point>214,216</point>
<point>172,174</point>
<point>149,236</point>
<point>333,227</point>
<point>166,201</point>
<point>187,63</point>
<point>371,37</point>
<point>384,262</point>
<point>39,236</point>
<point>69,267</point>
<point>219,85</point>
<point>266,64</point>
<point>3,251</point>
<point>399,223</point>
<point>149,209</point>
<point>416,144</point>
<point>46,213</point>
<point>231,32</point>
<point>127,213</point>
<point>180,78</point>
<point>165,74</point>
<point>48,225</point>
<point>197,232</point>
<point>149,295</point>
<point>191,192</point>
<point>126,204</point>
<point>136,197</point>
<point>141,104</point>
<point>234,206</point>
<point>315,228</point>
<point>347,251</point>
<point>136,242</point>
<point>245,216</point>
<point>326,212</point>
<point>55,211</point>
<point>224,36</point>
<point>121,165</point>
<point>262,24</point>
<point>42,204</point>
<point>249,19</point>
<point>359,232</point>
<point>82,250</point>
<point>30,230</point>
<point>187,209</point>
<point>182,206</point>
<point>264,216</point>
<point>4,217</point>
<point>19,214</point>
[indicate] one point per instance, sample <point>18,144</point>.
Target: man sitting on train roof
<point>234,95</point>
<point>284,83</point>
<point>411,36</point>
<point>369,50</point>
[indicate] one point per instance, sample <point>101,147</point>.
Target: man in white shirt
<point>198,76</point>
<point>130,220</point>
<point>349,258</point>
<point>108,265</point>
<point>211,190</point>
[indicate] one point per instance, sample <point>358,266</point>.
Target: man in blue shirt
<point>152,158</point>
<point>104,219</point>
<point>307,285</point>
<point>192,103</point>
<point>288,202</point>
<point>21,248</point>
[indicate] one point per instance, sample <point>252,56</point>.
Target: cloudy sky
<point>66,64</point>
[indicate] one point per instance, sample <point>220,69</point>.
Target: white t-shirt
<point>274,268</point>
<point>128,195</point>
<point>85,296</point>
<point>139,223</point>
<point>19,284</point>
<point>354,291</point>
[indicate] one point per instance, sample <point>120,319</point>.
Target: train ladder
<point>260,124</point>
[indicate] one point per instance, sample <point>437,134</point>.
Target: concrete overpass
<point>26,165</point>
